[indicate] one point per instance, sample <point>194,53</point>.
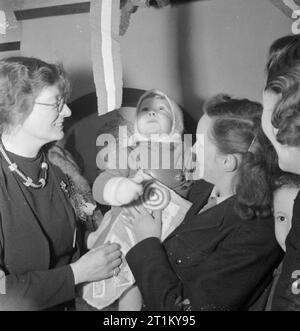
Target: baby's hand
<point>128,190</point>
<point>141,177</point>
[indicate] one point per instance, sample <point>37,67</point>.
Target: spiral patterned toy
<point>155,196</point>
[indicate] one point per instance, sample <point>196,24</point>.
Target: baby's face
<point>283,212</point>
<point>154,117</point>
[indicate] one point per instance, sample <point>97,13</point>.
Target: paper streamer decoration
<point>129,7</point>
<point>2,283</point>
<point>288,7</point>
<point>3,23</point>
<point>106,53</point>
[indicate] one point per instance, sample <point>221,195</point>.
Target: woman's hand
<point>144,225</point>
<point>97,264</point>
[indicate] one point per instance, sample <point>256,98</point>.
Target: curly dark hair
<point>237,130</point>
<point>21,81</point>
<point>285,179</point>
<point>283,78</point>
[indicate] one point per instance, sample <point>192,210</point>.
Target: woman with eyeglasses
<point>40,263</point>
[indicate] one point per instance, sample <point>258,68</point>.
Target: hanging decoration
<point>288,7</point>
<point>110,19</point>
<point>129,7</point>
<point>3,22</point>
<point>106,53</point>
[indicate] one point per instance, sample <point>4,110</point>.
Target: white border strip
<point>107,55</point>
<point>291,4</point>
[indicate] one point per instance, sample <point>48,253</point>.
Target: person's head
<point>281,101</point>
<point>287,187</point>
<point>157,114</point>
<point>235,147</point>
<point>32,98</point>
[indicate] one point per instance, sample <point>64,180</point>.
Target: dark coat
<point>287,292</point>
<point>25,253</point>
<point>212,261</point>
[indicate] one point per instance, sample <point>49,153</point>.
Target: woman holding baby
<point>223,254</point>
<point>220,262</point>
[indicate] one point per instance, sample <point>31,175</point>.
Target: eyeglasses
<point>59,105</point>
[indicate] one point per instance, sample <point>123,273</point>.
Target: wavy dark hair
<point>21,81</point>
<point>283,78</point>
<point>286,179</point>
<point>237,130</point>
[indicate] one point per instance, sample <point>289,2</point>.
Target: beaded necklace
<point>28,182</point>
